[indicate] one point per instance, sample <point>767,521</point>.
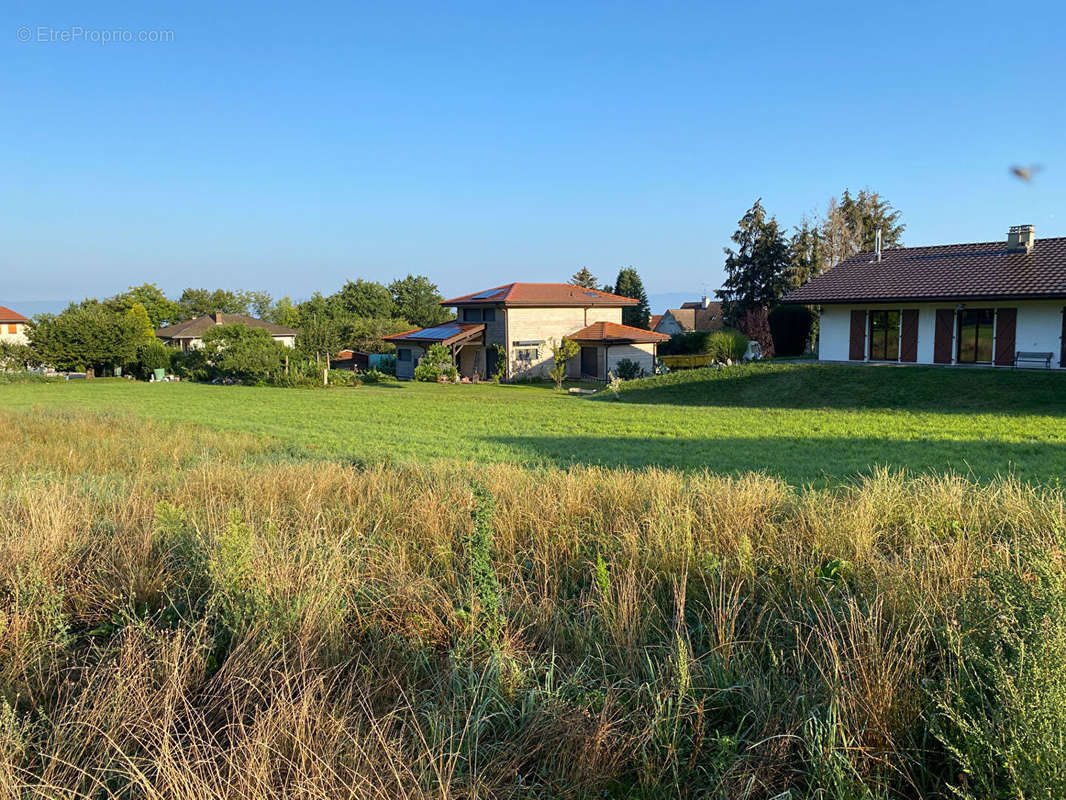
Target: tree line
<point>119,331</point>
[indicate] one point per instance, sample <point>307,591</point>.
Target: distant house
<point>12,326</point>
<point>188,335</point>
<point>982,303</point>
<point>524,319</point>
<point>702,315</point>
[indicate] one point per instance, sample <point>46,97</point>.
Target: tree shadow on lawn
<point>913,388</point>
<point>801,461</point>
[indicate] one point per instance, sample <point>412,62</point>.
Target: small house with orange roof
<point>13,326</point>
<point>520,322</point>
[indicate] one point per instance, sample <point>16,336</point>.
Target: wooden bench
<point>1022,357</point>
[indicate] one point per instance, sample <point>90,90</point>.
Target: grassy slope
<point>184,621</point>
<point>804,423</point>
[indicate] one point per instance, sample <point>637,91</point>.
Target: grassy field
<point>183,616</point>
<point>803,423</point>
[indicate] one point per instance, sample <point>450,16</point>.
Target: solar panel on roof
<point>483,295</point>
<point>437,332</point>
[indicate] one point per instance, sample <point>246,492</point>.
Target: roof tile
<point>7,315</point>
<point>541,294</point>
<point>979,271</point>
<point>613,332</point>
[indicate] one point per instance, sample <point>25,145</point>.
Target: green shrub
<point>25,376</point>
<point>15,356</point>
<point>190,365</point>
<point>242,353</point>
<point>727,344</point>
<point>435,364</point>
<point>684,344</point>
<point>376,376</point>
<point>790,327</point>
<point>345,377</point>
<point>628,370</point>
<point>151,356</point>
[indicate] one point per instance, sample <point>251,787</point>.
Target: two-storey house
<point>524,319</point>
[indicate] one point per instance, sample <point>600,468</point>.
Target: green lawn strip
<point>791,421</point>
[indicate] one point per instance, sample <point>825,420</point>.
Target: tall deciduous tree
<point>83,337</point>
<point>138,313</point>
<point>585,279</point>
<point>320,339</point>
<point>629,284</point>
<point>161,309</point>
<point>198,302</point>
<point>756,272</point>
<point>284,312</point>
<point>367,299</point>
<point>418,301</point>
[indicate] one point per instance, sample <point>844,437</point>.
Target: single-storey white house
<point>524,319</point>
<point>12,326</point>
<point>188,335</point>
<point>991,303</point>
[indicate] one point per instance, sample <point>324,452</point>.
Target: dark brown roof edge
<point>959,298</point>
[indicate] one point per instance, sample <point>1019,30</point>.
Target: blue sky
<point>292,148</point>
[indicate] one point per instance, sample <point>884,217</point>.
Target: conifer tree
<point>757,271</point>
<point>629,284</point>
<point>585,279</point>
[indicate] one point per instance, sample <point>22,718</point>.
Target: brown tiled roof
<point>7,315</point>
<point>196,328</point>
<point>445,333</point>
<point>698,318</point>
<point>653,323</point>
<point>612,332</point>
<point>541,294</point>
<point>981,271</point>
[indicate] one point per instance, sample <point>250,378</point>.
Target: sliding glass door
<point>977,328</point>
<point>884,336</point>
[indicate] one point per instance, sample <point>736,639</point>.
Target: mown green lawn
<point>805,423</point>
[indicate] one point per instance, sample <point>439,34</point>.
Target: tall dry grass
<point>184,616</point>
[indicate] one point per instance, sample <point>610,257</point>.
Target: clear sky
<point>291,148</point>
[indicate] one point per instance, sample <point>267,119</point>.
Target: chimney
<point>877,244</point>
<point>218,317</point>
<point>1020,238</point>
<point>705,301</point>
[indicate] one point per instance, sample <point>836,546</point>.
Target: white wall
<point>1039,327</point>
<point>18,336</point>
<point>643,354</point>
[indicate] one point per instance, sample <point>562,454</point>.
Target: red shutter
<point>943,334</point>
<point>908,350</point>
<point>857,347</point>
<point>1006,322</point>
